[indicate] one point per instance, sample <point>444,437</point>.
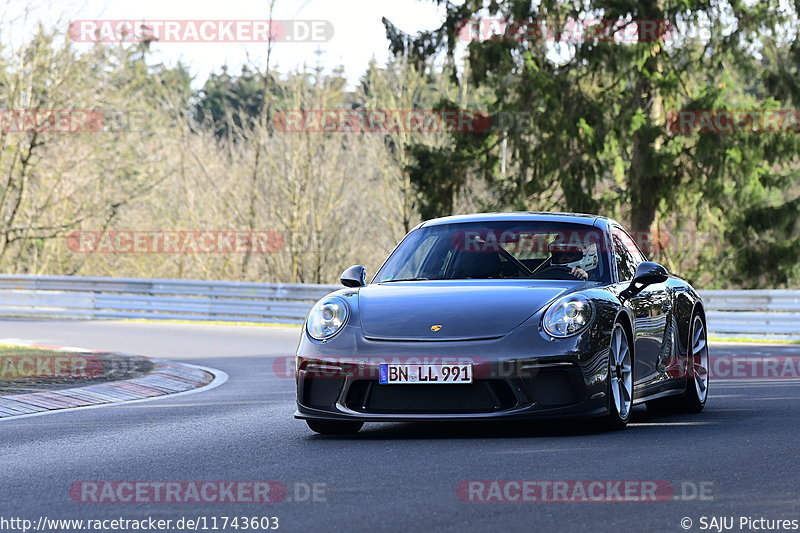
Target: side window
<point>624,259</point>
<point>632,247</point>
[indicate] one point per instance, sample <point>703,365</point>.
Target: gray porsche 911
<point>504,316</point>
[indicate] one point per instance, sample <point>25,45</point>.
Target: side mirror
<point>647,273</point>
<point>355,276</point>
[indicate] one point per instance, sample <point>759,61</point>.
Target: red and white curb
<point>167,379</point>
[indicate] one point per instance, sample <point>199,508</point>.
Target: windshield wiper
<point>403,279</point>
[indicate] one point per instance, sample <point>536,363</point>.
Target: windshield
<point>499,250</point>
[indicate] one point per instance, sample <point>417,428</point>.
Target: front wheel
<point>620,379</point>
<point>334,427</point>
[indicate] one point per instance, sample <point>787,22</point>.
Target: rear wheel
<point>697,386</point>
<point>334,427</point>
<point>620,379</point>
<point>693,400</point>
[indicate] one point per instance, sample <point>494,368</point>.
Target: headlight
<point>568,316</point>
<point>326,318</point>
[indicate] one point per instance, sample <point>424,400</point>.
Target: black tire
<point>616,420</point>
<point>334,427</point>
<point>694,398</point>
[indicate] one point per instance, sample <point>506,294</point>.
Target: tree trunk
<point>644,182</point>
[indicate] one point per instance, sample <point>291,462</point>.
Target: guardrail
<point>74,297</point>
<point>755,313</point>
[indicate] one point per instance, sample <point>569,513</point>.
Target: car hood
<point>465,309</point>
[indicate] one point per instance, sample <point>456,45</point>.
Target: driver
<point>578,259</point>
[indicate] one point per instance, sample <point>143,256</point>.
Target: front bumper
<point>542,379</point>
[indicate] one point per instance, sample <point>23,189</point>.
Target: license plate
<point>425,374</point>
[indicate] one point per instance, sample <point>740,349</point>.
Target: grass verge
<point>753,341</point>
<point>28,369</point>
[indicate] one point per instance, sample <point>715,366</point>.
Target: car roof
<point>531,216</point>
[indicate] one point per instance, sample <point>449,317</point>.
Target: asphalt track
<point>742,450</point>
